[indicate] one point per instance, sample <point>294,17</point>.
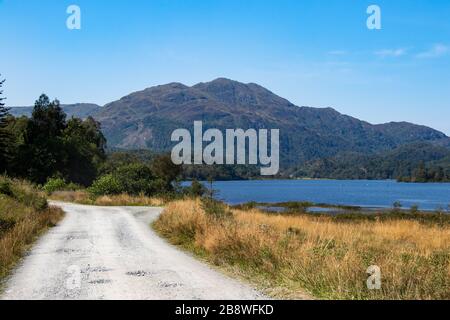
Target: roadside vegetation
<point>340,213</point>
<point>131,183</point>
<point>83,197</point>
<point>288,254</point>
<point>24,215</point>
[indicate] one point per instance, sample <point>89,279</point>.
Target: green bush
<point>197,189</point>
<point>54,184</point>
<point>5,187</point>
<point>106,185</point>
<point>23,192</point>
<point>215,209</point>
<point>133,179</point>
<point>59,184</point>
<point>136,179</point>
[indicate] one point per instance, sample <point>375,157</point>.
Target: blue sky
<point>313,52</point>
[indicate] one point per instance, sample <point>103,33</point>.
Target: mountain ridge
<point>145,119</point>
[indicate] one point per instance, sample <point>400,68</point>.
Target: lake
<point>363,193</point>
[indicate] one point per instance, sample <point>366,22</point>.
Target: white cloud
<point>438,50</point>
<point>391,53</point>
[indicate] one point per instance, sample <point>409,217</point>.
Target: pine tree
<point>4,135</point>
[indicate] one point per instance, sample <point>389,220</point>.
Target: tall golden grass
<point>83,197</point>
<point>291,255</point>
<point>14,242</point>
<point>24,215</point>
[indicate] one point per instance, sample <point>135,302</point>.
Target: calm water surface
<point>382,194</point>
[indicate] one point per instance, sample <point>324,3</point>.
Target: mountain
<point>79,110</point>
<point>146,119</point>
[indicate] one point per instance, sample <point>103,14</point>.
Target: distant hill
<point>146,119</point>
<point>392,164</point>
<point>79,110</point>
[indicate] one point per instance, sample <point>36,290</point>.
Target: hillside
<point>400,162</point>
<point>146,119</point>
<point>78,110</point>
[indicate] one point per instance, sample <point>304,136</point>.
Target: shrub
<point>23,192</point>
<point>215,209</point>
<point>136,179</point>
<point>5,187</point>
<point>196,189</point>
<point>54,184</point>
<point>106,185</point>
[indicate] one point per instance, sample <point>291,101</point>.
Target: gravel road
<point>112,253</point>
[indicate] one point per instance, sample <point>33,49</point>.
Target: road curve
<point>111,253</point>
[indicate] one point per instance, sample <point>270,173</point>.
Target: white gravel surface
<point>112,253</point>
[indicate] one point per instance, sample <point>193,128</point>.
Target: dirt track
<point>111,253</point>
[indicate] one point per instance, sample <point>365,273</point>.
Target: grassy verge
<point>291,254</point>
<point>24,215</point>
<point>83,197</point>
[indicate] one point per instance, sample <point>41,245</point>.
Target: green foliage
<point>430,173</point>
<point>215,209</point>
<point>22,192</point>
<point>84,146</point>
<point>197,189</point>
<point>166,171</point>
<point>54,184</point>
<point>116,159</point>
<point>47,145</point>
<point>5,136</point>
<point>5,187</point>
<point>397,205</point>
<point>137,179</point>
<point>59,184</point>
<point>137,173</point>
<point>106,185</point>
<point>414,209</point>
<point>406,163</point>
<point>220,172</point>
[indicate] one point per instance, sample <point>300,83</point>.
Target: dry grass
<point>328,259</point>
<point>24,215</point>
<point>82,197</point>
<point>16,241</point>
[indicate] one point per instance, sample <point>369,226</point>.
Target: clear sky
<point>313,52</point>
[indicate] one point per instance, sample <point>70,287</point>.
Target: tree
<point>84,146</point>
<point>421,174</point>
<point>439,174</point>
<point>42,154</point>
<point>197,189</point>
<point>166,171</point>
<point>5,137</point>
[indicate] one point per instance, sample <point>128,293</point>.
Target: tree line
<point>425,173</point>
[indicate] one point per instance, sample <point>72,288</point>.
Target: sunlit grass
<point>24,215</point>
<point>83,197</point>
<point>291,255</point>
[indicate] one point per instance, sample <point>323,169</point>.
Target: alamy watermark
<point>229,148</point>
<point>73,281</point>
<point>374,19</point>
<point>73,22</point>
<point>374,280</point>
